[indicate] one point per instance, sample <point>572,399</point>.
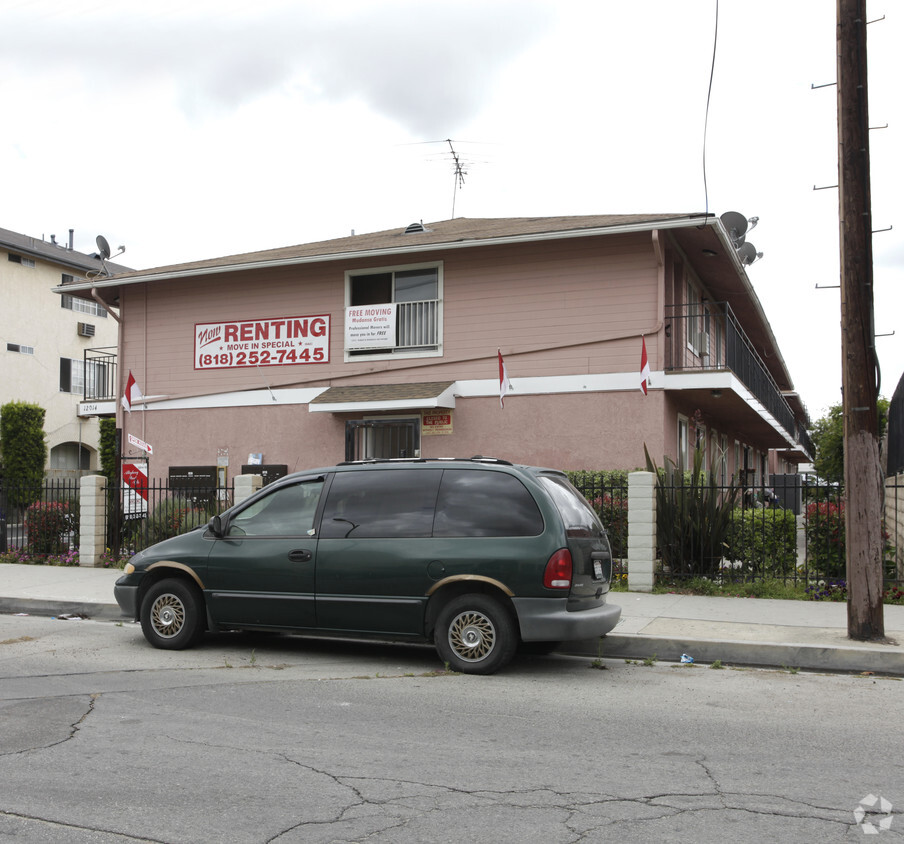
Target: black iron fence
<point>137,517</point>
<point>729,534</point>
<point>39,520</point>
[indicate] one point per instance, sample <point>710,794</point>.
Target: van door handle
<point>300,555</point>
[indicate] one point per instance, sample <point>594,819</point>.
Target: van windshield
<point>579,517</point>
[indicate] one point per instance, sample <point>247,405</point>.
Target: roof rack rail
<point>477,458</point>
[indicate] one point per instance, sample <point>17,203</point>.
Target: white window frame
<point>20,349</point>
<point>82,306</point>
<point>349,354</point>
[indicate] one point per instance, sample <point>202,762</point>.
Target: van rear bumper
<point>547,620</point>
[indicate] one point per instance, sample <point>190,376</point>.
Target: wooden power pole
<point>859,364</point>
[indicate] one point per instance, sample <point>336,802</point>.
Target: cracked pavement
<point>284,739</point>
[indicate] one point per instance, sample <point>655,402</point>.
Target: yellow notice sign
<point>433,423</point>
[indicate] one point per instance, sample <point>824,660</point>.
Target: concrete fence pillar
<point>641,531</point>
<point>244,486</point>
<point>92,520</point>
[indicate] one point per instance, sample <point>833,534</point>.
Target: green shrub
<point>825,539</point>
<point>693,518</point>
<point>764,541</point>
<point>24,451</point>
<point>173,516</point>
<point>48,524</point>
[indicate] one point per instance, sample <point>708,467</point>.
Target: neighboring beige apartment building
<point>43,339</point>
<point>384,345</point>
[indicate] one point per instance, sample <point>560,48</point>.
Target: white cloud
<point>192,129</point>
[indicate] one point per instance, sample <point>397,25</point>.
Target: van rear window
<point>579,517</point>
<point>478,503</point>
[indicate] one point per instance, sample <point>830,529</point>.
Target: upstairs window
<point>81,306</point>
<point>21,259</point>
<point>415,320</point>
<point>22,350</point>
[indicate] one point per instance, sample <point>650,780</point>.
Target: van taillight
<point>558,570</point>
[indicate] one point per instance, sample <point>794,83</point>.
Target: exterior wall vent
<point>85,329</point>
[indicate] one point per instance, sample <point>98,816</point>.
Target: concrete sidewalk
<point>738,631</point>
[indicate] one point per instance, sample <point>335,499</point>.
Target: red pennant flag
<point>644,365</point>
<point>132,393</point>
<point>504,383</point>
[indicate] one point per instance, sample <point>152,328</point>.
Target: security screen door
<point>382,439</point>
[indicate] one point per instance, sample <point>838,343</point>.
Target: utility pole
<point>859,364</point>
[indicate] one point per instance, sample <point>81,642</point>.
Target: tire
<point>172,615</point>
<point>475,634</point>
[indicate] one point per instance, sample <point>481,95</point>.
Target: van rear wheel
<point>475,634</point>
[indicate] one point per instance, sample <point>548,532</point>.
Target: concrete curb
<point>37,606</point>
<point>873,658</point>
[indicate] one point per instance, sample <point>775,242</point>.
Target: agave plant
<point>693,517</point>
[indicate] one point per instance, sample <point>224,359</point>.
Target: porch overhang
<point>721,396</point>
<point>369,398</point>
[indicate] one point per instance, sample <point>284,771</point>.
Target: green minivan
<point>476,555</point>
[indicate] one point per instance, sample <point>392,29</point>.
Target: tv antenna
<point>459,171</point>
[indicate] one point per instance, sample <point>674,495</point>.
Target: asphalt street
<point>290,739</point>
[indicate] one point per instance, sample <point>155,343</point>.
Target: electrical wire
<point>709,92</point>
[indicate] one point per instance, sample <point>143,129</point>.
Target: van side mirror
<point>215,526</point>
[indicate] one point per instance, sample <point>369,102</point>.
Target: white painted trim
<point>481,388</point>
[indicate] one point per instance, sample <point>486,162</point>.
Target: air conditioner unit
<point>85,329</point>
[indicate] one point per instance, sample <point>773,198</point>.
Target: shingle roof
<point>382,392</point>
<point>54,252</point>
<point>461,230</point>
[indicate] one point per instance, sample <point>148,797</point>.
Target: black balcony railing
<point>100,374</point>
<point>708,336</point>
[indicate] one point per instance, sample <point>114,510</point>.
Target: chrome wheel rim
<point>472,636</point>
<point>167,615</point>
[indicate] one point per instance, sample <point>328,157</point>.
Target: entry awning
<point>373,397</point>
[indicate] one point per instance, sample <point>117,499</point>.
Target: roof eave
<point>596,231</point>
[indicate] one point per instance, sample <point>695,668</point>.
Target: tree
<point>23,449</point>
<point>828,438</point>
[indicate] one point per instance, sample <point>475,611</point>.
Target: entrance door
<point>382,439</point>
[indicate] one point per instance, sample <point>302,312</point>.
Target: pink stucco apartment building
<point>386,345</point>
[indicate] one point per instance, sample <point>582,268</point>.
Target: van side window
<point>380,504</point>
<point>477,503</point>
<point>287,511</point>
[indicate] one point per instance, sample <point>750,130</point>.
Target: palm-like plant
<point>693,517</point>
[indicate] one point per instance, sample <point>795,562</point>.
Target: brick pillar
<point>245,486</point>
<point>641,531</point>
<point>92,519</point>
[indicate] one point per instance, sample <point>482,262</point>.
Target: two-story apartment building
<point>385,345</point>
<point>44,338</point>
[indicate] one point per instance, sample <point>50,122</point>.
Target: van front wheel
<point>475,634</point>
<point>172,615</point>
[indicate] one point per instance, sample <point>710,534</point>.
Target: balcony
<point>709,337</point>
<point>100,382</point>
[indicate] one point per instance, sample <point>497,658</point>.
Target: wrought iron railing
<point>708,336</point>
<point>100,374</point>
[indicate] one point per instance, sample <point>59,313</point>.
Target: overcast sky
<point>193,129</point>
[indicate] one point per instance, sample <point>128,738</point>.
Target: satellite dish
<point>103,247</point>
<point>747,254</point>
<point>735,224</point>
